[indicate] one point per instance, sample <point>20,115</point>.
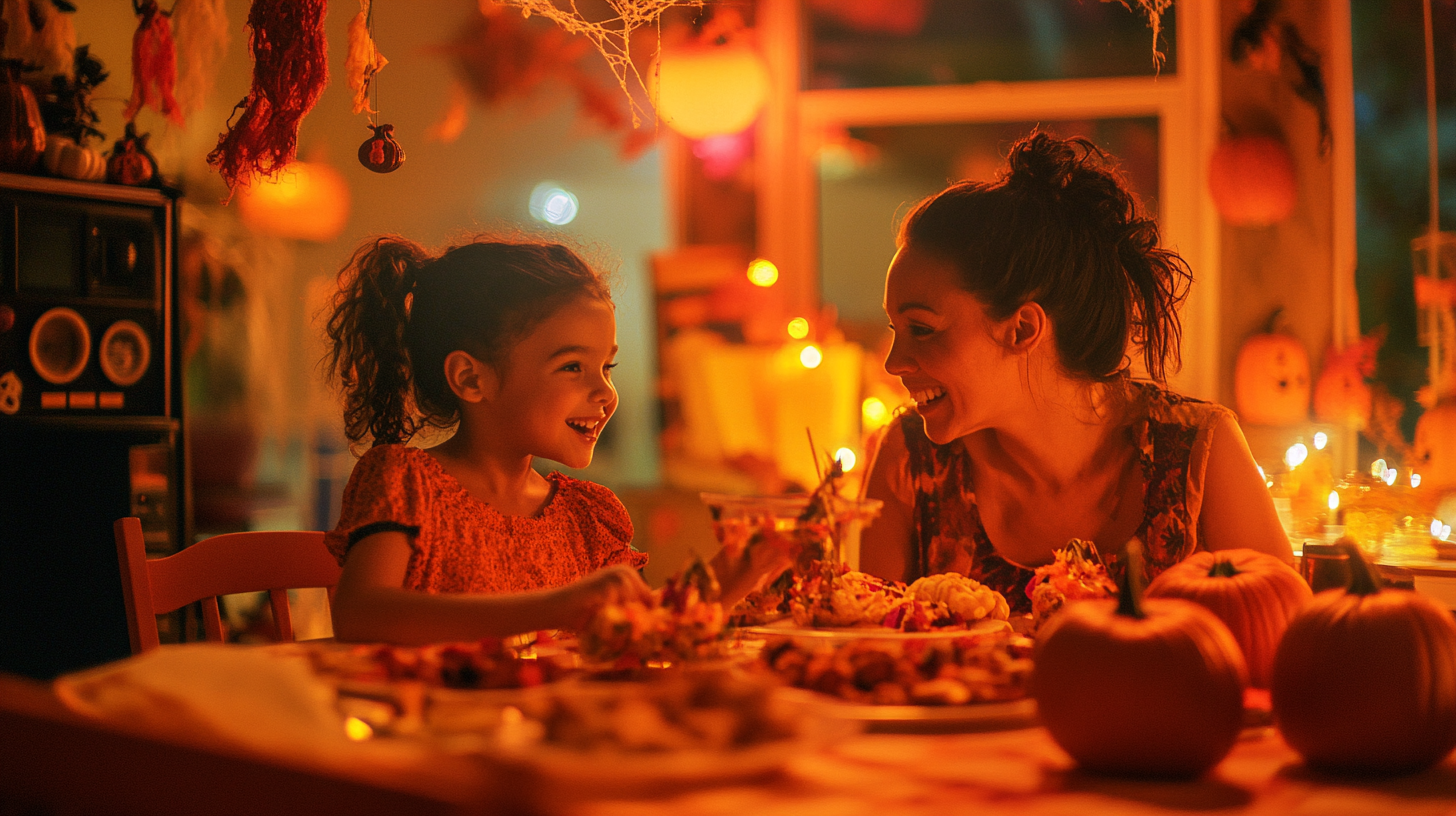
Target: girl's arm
<point>1238,511</point>
<point>885,543</point>
<point>371,603</point>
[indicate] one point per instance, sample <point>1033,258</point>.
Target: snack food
<point>684,620</point>
<point>833,595</point>
<point>948,671</point>
<point>491,663</point>
<point>1076,573</point>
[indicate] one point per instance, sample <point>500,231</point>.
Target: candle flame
<point>811,357</point>
<point>1320,440</point>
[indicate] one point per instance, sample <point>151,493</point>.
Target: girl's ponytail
<point>367,340</point>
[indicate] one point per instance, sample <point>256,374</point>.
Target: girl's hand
<point>618,583</point>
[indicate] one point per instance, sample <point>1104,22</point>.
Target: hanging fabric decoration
<point>290,70</point>
<point>153,64</point>
<point>201,30</point>
<point>380,152</point>
<point>363,60</point>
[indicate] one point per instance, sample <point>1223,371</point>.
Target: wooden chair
<point>222,565</point>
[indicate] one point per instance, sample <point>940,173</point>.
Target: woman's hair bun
<point>1043,160</point>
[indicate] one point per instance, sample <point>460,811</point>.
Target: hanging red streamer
<point>290,70</point>
<point>153,64</point>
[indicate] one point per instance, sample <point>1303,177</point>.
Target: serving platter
<point>926,719</point>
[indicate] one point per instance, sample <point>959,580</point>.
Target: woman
<point>1015,307</point>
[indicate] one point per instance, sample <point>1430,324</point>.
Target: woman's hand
<point>618,583</point>
<point>742,570</point>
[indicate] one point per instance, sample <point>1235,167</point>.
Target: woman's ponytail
<point>366,330</point>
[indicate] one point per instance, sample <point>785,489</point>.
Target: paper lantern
<point>710,90</point>
<point>308,201</point>
<point>1252,181</point>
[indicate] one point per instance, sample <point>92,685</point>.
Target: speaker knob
<point>125,353</point>
<point>60,345</point>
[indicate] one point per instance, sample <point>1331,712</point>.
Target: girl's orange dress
<point>461,544</point>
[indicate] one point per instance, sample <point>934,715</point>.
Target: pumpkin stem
<point>1363,578</point>
<point>1223,568</point>
<point>1134,578</point>
<point>1276,321</point>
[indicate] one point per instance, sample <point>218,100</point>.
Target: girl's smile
<point>556,392</point>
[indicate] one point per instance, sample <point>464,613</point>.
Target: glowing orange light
<point>874,412</point>
<point>798,328</point>
<point>763,273</point>
<point>357,730</point>
<point>308,201</point>
<point>847,459</point>
<point>710,90</point>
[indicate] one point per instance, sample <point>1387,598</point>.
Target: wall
<point>480,181</point>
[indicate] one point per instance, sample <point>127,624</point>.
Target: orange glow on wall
<point>308,201</point>
<point>710,90</point>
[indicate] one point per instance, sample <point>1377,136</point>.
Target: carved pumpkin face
<point>380,152</point>
<point>1271,380</point>
<point>1435,447</point>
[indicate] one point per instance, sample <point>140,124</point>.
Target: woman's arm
<point>371,603</point>
<point>885,547</point>
<point>1238,511</point>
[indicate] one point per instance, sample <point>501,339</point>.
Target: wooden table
<point>53,761</point>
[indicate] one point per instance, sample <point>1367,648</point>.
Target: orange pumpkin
<point>1253,593</point>
<point>1365,680</point>
<point>1271,379</point>
<point>1435,446</point>
<point>1251,179</point>
<point>1139,688</point>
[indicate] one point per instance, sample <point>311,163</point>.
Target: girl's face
<point>556,391</point>
<point>945,350</point>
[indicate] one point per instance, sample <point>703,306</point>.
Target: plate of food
<point>681,728</point>
<point>913,684</point>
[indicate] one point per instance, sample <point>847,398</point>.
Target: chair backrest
<point>274,562</point>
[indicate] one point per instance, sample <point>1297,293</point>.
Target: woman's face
<point>945,350</point>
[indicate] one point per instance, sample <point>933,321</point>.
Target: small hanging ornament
<point>380,152</point>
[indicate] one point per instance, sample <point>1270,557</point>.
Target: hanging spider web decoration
<point>1154,9</point>
<point>612,36</point>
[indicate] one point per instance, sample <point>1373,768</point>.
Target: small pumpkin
<point>380,152</point>
<point>1139,687</point>
<point>22,132</point>
<point>130,162</point>
<point>1271,378</point>
<point>1252,181</point>
<point>65,158</point>
<point>1365,679</point>
<point>1253,593</point>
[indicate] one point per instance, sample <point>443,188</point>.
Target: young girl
<point>513,345</point>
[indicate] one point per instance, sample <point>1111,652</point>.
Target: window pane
<point>852,44</point>
<point>869,177</point>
